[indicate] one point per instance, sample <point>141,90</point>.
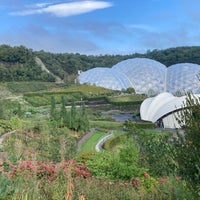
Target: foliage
<point>130,90</point>
<point>156,151</point>
<point>48,170</point>
<point>137,125</point>
<point>130,99</point>
<point>106,125</point>
<point>157,154</point>
<point>91,142</point>
<point>31,86</point>
<point>123,165</point>
<point>46,180</point>
<point>44,98</point>
<point>46,143</point>
<point>8,108</point>
<point>18,63</point>
<point>111,143</point>
<point>187,143</point>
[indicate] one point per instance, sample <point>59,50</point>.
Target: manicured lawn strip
<point>91,142</point>
<point>128,98</point>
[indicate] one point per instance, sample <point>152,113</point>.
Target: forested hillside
<point>18,63</point>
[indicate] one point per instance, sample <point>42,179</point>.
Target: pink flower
<point>146,175</point>
<point>178,178</point>
<point>136,182</point>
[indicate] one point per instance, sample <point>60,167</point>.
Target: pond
<point>121,117</point>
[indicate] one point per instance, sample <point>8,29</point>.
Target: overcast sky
<point>100,26</point>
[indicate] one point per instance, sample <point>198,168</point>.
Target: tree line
<point>18,63</point>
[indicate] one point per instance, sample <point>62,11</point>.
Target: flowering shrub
<point>47,170</point>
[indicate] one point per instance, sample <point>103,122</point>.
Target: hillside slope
<point>22,64</point>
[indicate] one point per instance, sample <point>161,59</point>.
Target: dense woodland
<point>18,63</point>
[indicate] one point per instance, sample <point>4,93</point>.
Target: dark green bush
<point>144,125</point>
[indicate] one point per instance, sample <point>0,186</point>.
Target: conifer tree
<point>63,112</point>
<point>53,109</point>
<point>83,122</point>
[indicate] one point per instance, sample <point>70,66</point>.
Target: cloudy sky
<point>100,26</point>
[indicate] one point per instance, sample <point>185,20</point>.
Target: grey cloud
<point>39,38</point>
<point>166,39</point>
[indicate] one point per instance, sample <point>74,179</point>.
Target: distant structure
<point>163,109</point>
<point>146,76</point>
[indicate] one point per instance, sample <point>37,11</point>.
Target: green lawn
<point>91,142</point>
<point>128,98</point>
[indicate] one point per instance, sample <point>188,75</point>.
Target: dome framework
<point>146,76</point>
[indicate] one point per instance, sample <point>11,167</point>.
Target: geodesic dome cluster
<point>146,76</point>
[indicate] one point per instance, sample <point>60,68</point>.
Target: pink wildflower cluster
<point>76,169</point>
<point>136,182</point>
<point>49,170</point>
<point>146,175</point>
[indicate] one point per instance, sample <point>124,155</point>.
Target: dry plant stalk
<point>70,186</point>
<point>62,141</point>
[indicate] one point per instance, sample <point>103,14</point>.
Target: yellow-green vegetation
<point>90,143</point>
<point>71,93</point>
<point>106,125</point>
<point>87,90</point>
<point>31,86</point>
<point>127,98</point>
<point>114,143</point>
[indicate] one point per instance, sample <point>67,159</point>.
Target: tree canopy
<point>18,63</point>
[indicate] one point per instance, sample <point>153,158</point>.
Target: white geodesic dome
<point>146,76</point>
<point>183,77</point>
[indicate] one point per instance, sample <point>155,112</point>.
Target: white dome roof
<point>104,77</point>
<point>152,109</point>
<point>144,73</point>
<point>182,77</point>
<point>145,76</point>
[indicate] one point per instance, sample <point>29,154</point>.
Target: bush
<point>112,142</point>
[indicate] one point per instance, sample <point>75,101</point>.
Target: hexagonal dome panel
<point>146,75</point>
<point>182,77</point>
<point>105,77</point>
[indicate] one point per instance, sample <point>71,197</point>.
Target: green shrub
<point>144,125</point>
<point>112,142</point>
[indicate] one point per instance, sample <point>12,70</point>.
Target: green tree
<point>19,110</point>
<point>73,117</point>
<point>1,111</point>
<point>53,113</point>
<point>187,143</point>
<point>63,111</point>
<point>83,121</point>
<point>130,90</point>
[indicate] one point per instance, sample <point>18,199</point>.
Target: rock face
<point>43,67</point>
